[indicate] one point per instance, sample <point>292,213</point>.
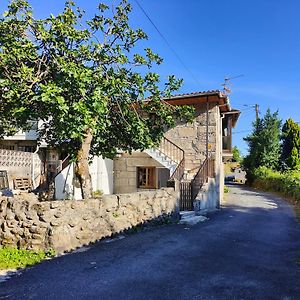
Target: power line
<point>242,131</point>
<point>167,43</point>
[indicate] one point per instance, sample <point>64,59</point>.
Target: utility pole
<point>257,111</point>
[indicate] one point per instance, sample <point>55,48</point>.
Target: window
<point>146,177</point>
<point>26,148</point>
<point>7,147</point>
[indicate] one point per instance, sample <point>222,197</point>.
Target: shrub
<point>287,183</point>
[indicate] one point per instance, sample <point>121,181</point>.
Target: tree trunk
<point>82,166</point>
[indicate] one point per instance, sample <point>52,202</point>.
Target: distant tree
<point>236,155</point>
<point>80,78</point>
<point>264,143</point>
<point>290,153</point>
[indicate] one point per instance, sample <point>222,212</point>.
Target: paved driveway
<point>248,250</point>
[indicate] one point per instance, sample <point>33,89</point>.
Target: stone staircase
<point>163,159</point>
<point>170,156</point>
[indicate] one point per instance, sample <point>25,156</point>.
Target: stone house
<point>191,153</point>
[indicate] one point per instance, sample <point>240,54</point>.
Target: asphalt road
<point>248,250</point>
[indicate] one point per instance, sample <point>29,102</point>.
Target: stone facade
<point>66,225</point>
<point>192,138</point>
<point>125,171</point>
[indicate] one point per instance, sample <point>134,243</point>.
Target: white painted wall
<point>101,171</point>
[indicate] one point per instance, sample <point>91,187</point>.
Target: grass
<point>12,258</point>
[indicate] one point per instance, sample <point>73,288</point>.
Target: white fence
<point>20,164</point>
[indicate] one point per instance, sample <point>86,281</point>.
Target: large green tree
<point>80,77</point>
<point>290,156</point>
<point>263,143</point>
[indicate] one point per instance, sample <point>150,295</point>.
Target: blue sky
<point>217,39</point>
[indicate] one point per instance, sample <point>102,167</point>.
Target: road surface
<point>248,250</point>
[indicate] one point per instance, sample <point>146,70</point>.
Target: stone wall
<point>66,225</point>
<point>125,170</point>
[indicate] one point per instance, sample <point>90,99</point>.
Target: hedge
<point>287,183</point>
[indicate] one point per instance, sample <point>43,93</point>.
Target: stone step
<point>186,214</point>
<point>193,220</point>
<point>162,159</point>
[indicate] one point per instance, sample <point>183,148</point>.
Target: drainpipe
<point>32,166</point>
<point>207,121</point>
<point>222,117</point>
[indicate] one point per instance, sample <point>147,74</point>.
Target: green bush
<point>12,258</point>
<point>287,183</point>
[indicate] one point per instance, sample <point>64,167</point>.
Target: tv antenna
<point>226,83</point>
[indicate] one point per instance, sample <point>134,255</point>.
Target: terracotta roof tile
<point>200,93</point>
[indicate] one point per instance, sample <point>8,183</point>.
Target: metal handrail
<point>176,154</point>
<point>179,171</point>
<point>205,171</point>
<point>171,150</point>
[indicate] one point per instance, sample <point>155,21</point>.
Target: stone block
<point>54,204</point>
<point>123,181</point>
<point>36,236</point>
<point>58,214</point>
<point>120,165</point>
<point>55,223</point>
<point>33,229</point>
<point>45,217</point>
<point>72,223</point>
<point>17,231</point>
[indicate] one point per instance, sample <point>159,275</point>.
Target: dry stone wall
<point>66,225</point>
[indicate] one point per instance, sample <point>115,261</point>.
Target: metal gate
<point>186,200</point>
<point>3,180</point>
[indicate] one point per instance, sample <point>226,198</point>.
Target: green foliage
<point>290,155</point>
<point>78,76</point>
<point>287,183</point>
<point>236,155</point>
<point>97,193</point>
<point>263,144</point>
<point>12,258</point>
<point>226,189</point>
<point>115,215</point>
